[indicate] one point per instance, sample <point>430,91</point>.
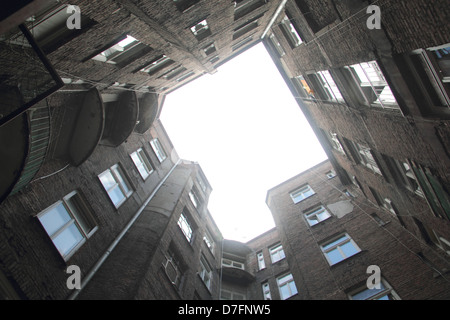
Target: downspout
<point>116,241</point>
<point>275,16</point>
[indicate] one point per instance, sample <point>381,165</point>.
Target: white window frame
<point>266,291</point>
<point>336,245</point>
<point>330,174</point>
<point>317,215</point>
<point>294,37</point>
<point>232,264</point>
<point>277,253</point>
<point>329,86</point>
<point>120,181</point>
<point>208,239</point>
<point>122,47</point>
<point>231,295</point>
<point>369,74</point>
<point>142,163</point>
<point>375,294</point>
<point>302,193</point>
<point>201,30</point>
<point>157,64</point>
<point>158,149</point>
<point>205,272</point>
<point>287,281</point>
<point>261,262</point>
<point>76,213</point>
<point>185,227</point>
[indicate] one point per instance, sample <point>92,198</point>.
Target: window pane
<point>334,243</point>
<point>292,287</point>
<point>122,182</point>
<point>284,292</point>
<point>334,256</point>
<point>107,180</point>
<point>68,239</point>
<point>116,195</point>
<point>349,249</point>
<point>54,219</point>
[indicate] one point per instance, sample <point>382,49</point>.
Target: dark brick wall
<point>391,247</point>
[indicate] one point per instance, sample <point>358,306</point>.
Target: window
<point>158,149</point>
<point>172,73</point>
<point>205,272</point>
<point>173,267</point>
<point>286,286</point>
<point>142,163</point>
<point>124,51</point>
<point>68,223</point>
<point>403,174</point>
<point>290,31</point>
<point>266,291</point>
<point>185,5</point>
<point>185,226</point>
<point>373,85</point>
<point>232,264</point>
<point>231,295</point>
<point>326,88</point>
<point>276,44</point>
<point>317,215</point>
<point>334,141</point>
<point>385,292</point>
<point>201,30</point>
<point>49,28</point>
<point>116,185</point>
<point>261,263</point>
<point>246,27</point>
<point>277,253</point>
<point>303,88</point>
<point>433,72</point>
<point>157,64</point>
<point>364,155</point>
<point>330,174</point>
<point>242,43</point>
<point>244,7</point>
<point>208,239</point>
<point>209,49</point>
<point>339,249</point>
<point>302,193</point>
<point>193,195</point>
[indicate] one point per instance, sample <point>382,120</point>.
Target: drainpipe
<point>116,241</point>
<point>275,16</point>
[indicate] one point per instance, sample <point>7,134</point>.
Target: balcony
<point>233,262</point>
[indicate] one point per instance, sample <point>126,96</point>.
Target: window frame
<point>314,212</point>
<point>265,286</point>
<point>290,31</point>
<point>121,181</point>
<point>186,226</point>
<point>205,273</point>
<point>77,212</point>
<point>343,239</point>
<point>158,149</point>
<point>276,253</point>
<point>297,192</point>
<point>260,260</point>
<point>144,162</point>
<point>286,283</point>
<point>386,290</point>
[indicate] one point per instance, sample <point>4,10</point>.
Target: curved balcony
<point>233,262</point>
<point>148,110</point>
<point>24,141</point>
<point>121,118</point>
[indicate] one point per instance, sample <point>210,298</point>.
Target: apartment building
<point>376,95</point>
<point>336,242</point>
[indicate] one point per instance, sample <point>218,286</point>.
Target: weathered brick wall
<point>390,247</point>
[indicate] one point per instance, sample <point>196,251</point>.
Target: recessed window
<point>209,49</point>
<point>142,163</point>
<point>286,286</point>
<point>209,241</point>
<point>68,223</point>
<point>185,226</point>
<point>302,193</point>
<point>124,51</point>
<point>205,272</point>
<point>261,263</point>
<point>242,43</point>
<point>290,31</point>
<point>116,185</point>
<point>303,88</point>
<point>266,291</point>
<point>384,292</point>
<point>276,44</point>
<point>157,64</point>
<point>158,149</point>
<point>277,253</point>
<point>339,249</point>
<point>325,87</point>
<point>244,7</point>
<point>317,215</point>
<point>232,264</point>
<point>193,195</point>
<point>185,5</point>
<point>172,73</point>
<point>201,30</point>
<point>231,295</point>
<point>373,85</point>
<point>246,27</point>
<point>330,174</point>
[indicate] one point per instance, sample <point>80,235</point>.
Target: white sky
<point>244,128</point>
